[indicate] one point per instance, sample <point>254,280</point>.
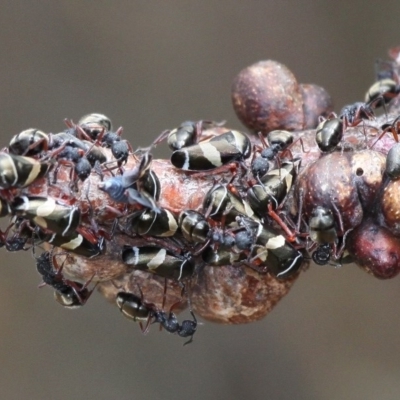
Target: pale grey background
<point>149,65</point>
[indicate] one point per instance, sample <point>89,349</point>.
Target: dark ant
<point>98,128</point>
<point>119,148</point>
<point>260,165</point>
<point>33,142</point>
<point>354,114</point>
<point>220,208</point>
<point>134,308</point>
<point>68,293</point>
<point>278,141</point>
<point>196,228</point>
<point>16,242</point>
<point>74,157</point>
<point>170,323</point>
<point>81,158</point>
<point>94,154</point>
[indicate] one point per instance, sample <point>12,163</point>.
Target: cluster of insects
<point>225,198</point>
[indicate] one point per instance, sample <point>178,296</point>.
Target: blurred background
<point>150,65</point>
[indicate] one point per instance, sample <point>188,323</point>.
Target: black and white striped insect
<point>93,124</point>
<point>29,142</point>
<point>124,188</point>
<point>19,171</point>
<point>393,162</point>
<point>149,185</point>
<point>220,203</point>
<point>222,256</point>
<point>186,134</point>
<point>89,127</point>
<point>281,258</point>
<point>329,134</point>
<point>150,223</point>
<point>135,309</point>
<point>273,188</point>
<point>5,209</point>
<point>322,226</point>
<point>76,243</point>
<point>322,231</point>
<point>382,92</point>
<point>220,150</point>
<point>326,234</point>
<point>48,213</point>
<point>194,226</point>
<point>158,261</point>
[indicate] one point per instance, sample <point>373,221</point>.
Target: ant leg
<point>388,129</point>
<point>70,124</point>
<point>262,139</point>
<point>339,253</point>
<point>290,236</point>
<point>146,328</point>
<point>83,135</point>
<point>190,326</point>
<point>163,135</point>
<point>218,170</point>
<point>36,144</point>
<point>341,227</point>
